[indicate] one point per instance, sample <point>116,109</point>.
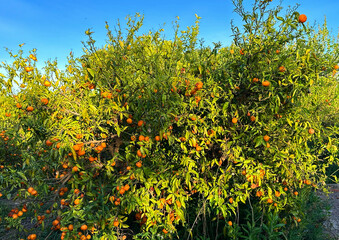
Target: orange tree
<point>145,137</point>
<point>321,103</point>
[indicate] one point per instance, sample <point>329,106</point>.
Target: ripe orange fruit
<point>44,101</point>
<point>231,200</point>
<point>302,18</point>
<point>116,223</point>
<point>129,121</point>
<point>75,169</point>
<point>336,67</point>
<point>29,109</point>
<point>139,164</point>
<point>197,99</point>
<point>126,187</point>
<point>234,120</point>
<point>296,193</point>
<point>55,222</point>
<point>29,69</point>
<point>230,223</point>
<point>157,138</point>
<point>83,227</point>
<point>76,201</point>
<point>253,118</point>
<point>141,138</point>
<point>282,69</point>
<point>31,56</point>
<point>259,194</point>
<point>18,105</point>
<point>139,154</point>
<point>70,227</point>
<point>122,191</point>
<point>140,123</point>
<point>277,193</point>
<point>269,200</point>
<point>49,143</point>
<point>47,83</point>
<point>311,131</point>
<point>255,80</point>
<point>265,83</point>
<point>76,147</point>
<point>307,182</point>
<point>81,153</point>
<point>198,85</point>
<point>32,236</point>
<point>266,138</point>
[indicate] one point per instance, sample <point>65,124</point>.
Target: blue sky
<point>57,27</point>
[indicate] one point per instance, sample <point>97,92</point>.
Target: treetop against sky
<point>56,28</point>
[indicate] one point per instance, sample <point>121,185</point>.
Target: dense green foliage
<point>152,138</point>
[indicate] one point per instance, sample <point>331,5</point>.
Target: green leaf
<point>280,18</point>
<point>90,72</point>
<point>22,175</point>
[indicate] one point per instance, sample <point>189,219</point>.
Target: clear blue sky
<point>57,27</point>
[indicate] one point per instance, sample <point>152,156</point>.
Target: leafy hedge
<point>145,136</point>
